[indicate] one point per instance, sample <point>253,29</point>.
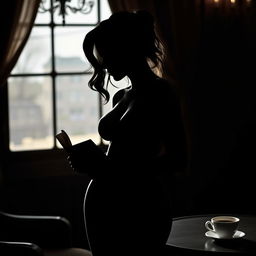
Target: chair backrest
<point>1,184</point>
<point>1,175</point>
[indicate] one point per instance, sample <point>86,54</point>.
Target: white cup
<point>224,226</point>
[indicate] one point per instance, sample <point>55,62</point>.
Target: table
<point>188,236</point>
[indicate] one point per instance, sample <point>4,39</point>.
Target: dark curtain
<point>224,100</point>
<point>16,21</point>
<point>222,95</point>
<point>211,53</point>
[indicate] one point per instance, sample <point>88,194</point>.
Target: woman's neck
<point>140,75</point>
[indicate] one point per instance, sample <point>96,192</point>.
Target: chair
<point>36,236</point>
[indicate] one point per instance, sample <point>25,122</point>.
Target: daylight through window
<point>48,88</point>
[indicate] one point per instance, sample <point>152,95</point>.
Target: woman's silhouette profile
<point>127,211</point>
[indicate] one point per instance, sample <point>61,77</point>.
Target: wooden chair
<point>36,236</point>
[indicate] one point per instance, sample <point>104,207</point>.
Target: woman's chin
<point>118,77</point>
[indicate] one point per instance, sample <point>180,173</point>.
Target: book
<point>64,140</point>
<point>87,146</point>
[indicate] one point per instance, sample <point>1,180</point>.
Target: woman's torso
<point>141,130</point>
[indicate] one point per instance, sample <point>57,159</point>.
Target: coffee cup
<point>223,226</point>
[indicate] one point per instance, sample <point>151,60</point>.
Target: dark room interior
<point>210,58</point>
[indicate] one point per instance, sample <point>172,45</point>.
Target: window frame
<point>53,76</point>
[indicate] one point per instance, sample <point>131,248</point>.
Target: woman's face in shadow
<point>114,61</point>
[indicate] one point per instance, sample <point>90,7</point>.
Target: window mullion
<point>100,97</point>
<point>99,12</point>
<point>100,111</point>
<point>54,108</point>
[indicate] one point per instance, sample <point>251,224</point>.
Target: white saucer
<point>237,235</point>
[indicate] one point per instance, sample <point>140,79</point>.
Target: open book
<point>87,146</point>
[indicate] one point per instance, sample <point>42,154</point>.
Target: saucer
<point>237,235</point>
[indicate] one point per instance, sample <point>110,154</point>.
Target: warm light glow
<point>233,2</point>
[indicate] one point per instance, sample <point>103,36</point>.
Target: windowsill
<point>36,164</point>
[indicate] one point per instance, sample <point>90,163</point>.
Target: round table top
<point>188,233</point>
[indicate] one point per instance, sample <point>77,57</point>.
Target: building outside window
<point>48,88</point>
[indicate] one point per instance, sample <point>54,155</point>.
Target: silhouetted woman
<point>127,211</point>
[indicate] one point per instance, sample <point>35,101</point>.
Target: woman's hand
<point>76,163</point>
<point>69,158</point>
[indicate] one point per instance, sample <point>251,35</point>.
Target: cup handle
<point>209,225</point>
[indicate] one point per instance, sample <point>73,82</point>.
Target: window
<point>47,90</point>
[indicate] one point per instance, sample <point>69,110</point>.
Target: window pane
<point>69,55</point>
<point>43,17</point>
<point>77,108</point>
<point>112,90</point>
<point>104,9</point>
<point>35,58</point>
<point>78,17</point>
<point>30,113</point>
